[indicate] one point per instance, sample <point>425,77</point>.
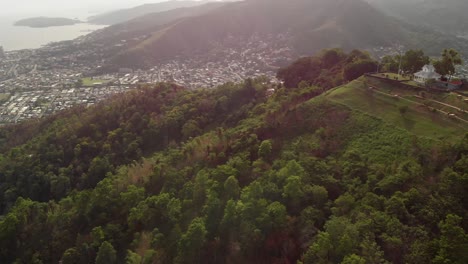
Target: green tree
<point>390,63</point>
<point>191,129</point>
<point>97,171</point>
<point>229,222</point>
<point>264,151</point>
<point>133,258</point>
<point>293,191</point>
<point>371,252</point>
<point>277,215</point>
<point>231,188</point>
<point>446,64</point>
<point>319,252</point>
<point>319,195</point>
<point>453,242</point>
<point>192,242</point>
<point>106,254</point>
<point>414,60</point>
<point>357,69</point>
<point>70,256</point>
<point>344,204</point>
<point>353,259</point>
<point>332,57</point>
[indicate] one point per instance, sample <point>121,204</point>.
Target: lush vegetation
<point>410,62</point>
<point>446,64</point>
<point>329,69</point>
<point>413,61</point>
<point>167,175</point>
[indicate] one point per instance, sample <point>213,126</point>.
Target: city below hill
<point>44,22</point>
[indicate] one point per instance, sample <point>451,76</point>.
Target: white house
<point>428,73</point>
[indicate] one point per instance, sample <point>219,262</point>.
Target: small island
<point>44,22</point>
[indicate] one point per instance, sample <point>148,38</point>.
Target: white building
<point>428,73</point>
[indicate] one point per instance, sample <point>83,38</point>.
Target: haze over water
<point>16,38</point>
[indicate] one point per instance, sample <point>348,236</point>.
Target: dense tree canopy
<point>446,64</point>
<point>413,61</point>
<point>410,62</point>
<point>328,69</point>
<point>229,175</point>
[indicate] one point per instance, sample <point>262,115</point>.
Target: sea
<point>16,38</point>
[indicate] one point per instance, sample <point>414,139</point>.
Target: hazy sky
<point>65,7</point>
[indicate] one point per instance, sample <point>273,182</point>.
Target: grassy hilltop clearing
<point>405,108</point>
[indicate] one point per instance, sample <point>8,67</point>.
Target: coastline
<point>20,37</point>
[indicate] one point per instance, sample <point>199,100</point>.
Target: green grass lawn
<point>452,99</point>
<point>392,76</point>
<point>388,87</point>
<point>418,120</point>
<point>4,97</point>
<point>413,83</point>
<point>92,82</point>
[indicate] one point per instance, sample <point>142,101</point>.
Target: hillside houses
<point>427,73</point>
<point>431,79</point>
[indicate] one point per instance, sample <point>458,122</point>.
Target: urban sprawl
<point>40,82</point>
<point>36,83</point>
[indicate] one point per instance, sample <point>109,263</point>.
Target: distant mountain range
<point>310,25</point>
<point>149,23</point>
<point>447,16</point>
<point>124,15</point>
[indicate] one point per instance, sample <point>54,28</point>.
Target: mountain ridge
<point>149,23</point>
<point>123,15</point>
<point>311,25</point>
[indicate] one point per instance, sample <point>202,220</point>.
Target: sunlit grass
<point>417,119</point>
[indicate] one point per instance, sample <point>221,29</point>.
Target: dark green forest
<point>163,174</point>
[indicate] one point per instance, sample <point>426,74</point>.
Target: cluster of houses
<point>429,77</point>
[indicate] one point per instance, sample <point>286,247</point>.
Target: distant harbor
<point>17,38</point>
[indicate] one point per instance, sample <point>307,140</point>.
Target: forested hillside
<point>233,175</point>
